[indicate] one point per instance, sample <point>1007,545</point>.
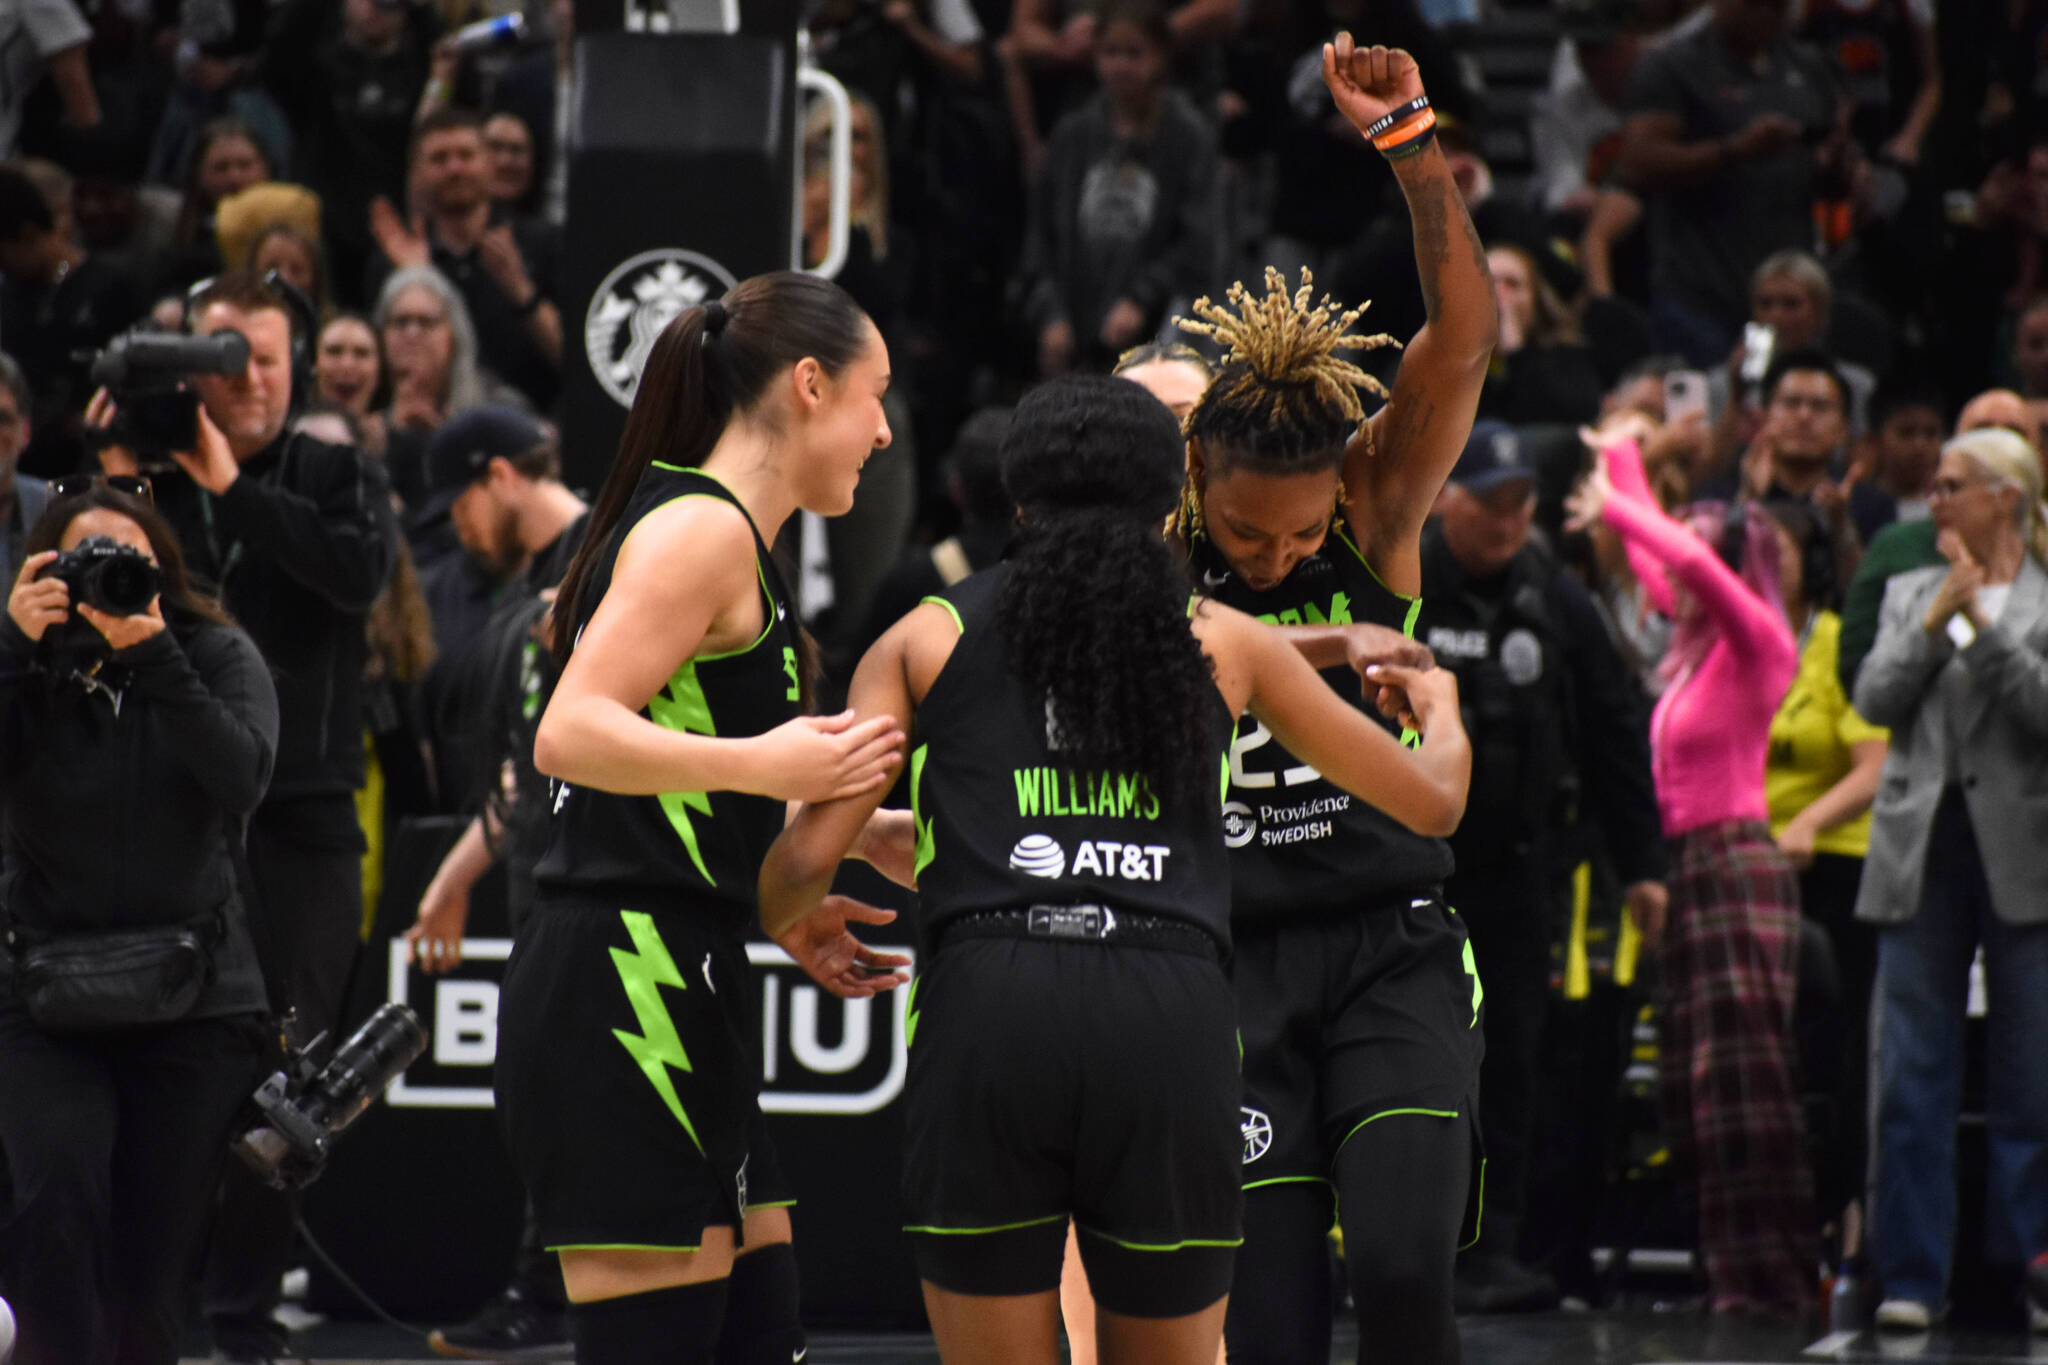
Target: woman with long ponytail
<point>627,1071</point>
<point>1075,1055</point>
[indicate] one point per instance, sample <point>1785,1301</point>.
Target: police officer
<point>1557,731</point>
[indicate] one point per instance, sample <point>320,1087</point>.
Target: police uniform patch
<point>1521,657</point>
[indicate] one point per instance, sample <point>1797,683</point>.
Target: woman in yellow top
<point>1819,781</point>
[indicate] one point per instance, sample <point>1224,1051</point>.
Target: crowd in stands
<point>1796,249</point>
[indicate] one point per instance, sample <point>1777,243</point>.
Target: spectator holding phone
<point>1791,304</point>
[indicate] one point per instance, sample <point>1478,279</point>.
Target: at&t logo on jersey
<point>1037,855</point>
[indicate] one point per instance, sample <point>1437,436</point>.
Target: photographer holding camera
<point>137,731</point>
<point>299,538</point>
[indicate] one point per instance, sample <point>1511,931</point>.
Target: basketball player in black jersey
<point>1073,1052</point>
<point>1360,1010</point>
<point>627,1074</point>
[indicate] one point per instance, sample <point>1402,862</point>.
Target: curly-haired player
<point>1073,1053</point>
<point>1359,1006</point>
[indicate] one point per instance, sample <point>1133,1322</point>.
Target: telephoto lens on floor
<point>303,1110</point>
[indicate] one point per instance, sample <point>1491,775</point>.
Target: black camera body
<point>103,573</point>
<point>302,1109</point>
<point>145,373</point>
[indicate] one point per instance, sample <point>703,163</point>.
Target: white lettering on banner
<point>465,1023</point>
<point>779,973</point>
<point>803,1033</point>
<point>455,1043</point>
<point>860,1073</point>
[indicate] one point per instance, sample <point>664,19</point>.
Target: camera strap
<point>226,561</point>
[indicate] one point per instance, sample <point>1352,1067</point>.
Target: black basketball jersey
<point>1005,822</point>
<point>1299,843</point>
<point>707,846</point>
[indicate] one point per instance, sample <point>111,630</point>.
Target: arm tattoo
<point>1431,215</point>
<point>1432,250</point>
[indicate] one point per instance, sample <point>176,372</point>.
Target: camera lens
<point>122,585</point>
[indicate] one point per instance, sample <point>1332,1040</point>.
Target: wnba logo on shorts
<point>1258,1134</point>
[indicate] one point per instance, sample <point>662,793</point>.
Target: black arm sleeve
<point>221,705</point>
<point>332,530</point>
<point>1613,741</point>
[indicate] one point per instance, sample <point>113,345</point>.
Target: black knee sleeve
<point>763,1311</point>
<point>1401,1187</point>
<point>675,1326</point>
<point>1280,1297</point>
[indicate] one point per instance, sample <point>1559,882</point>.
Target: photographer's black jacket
<point>1557,725</point>
<point>298,547</point>
<point>124,796</point>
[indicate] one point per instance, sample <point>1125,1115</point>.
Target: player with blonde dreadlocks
<point>1359,1011</point>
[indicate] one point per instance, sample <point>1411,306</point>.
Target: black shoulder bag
<point>102,982</point>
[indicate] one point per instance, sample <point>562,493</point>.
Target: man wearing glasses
<point>299,539</point>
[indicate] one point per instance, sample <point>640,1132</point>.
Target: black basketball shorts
<point>1100,1083</point>
<point>1349,1019</point>
<point>628,1079</point>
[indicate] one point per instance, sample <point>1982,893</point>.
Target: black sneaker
<point>1489,1282</point>
<point>509,1327</point>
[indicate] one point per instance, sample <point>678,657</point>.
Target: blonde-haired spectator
<point>1960,675</point>
<point>246,214</point>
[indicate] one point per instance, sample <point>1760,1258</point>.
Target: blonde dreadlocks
<point>1285,400</point>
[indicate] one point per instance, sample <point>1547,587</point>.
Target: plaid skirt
<point>1729,976</point>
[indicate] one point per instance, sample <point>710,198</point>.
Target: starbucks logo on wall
<point>639,298</point>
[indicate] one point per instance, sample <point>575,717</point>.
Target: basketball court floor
<point>1624,1337</point>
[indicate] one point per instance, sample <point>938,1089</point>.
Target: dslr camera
<point>302,1109</point>
<point>145,372</point>
<point>103,573</point>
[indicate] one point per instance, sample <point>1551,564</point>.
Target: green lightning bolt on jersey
<point>706,846</point>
